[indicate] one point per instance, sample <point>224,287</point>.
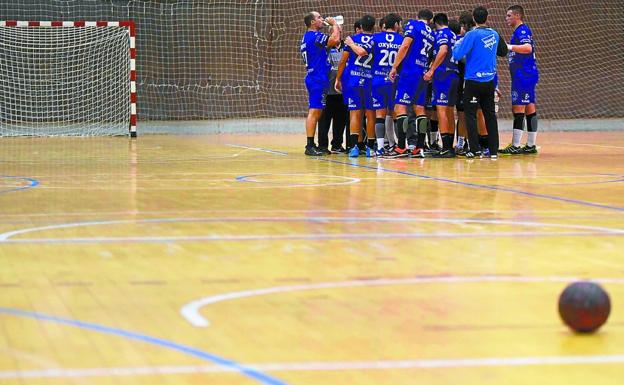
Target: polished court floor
<point>237,260</point>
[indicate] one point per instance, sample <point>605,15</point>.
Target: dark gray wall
<point>224,59</point>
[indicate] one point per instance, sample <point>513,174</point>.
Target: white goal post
<point>75,78</point>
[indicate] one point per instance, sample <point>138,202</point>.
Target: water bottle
<point>339,20</point>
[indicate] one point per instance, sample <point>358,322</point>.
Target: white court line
<point>356,211</point>
<point>252,178</point>
<point>38,361</point>
<point>6,235</point>
<point>258,149</point>
<point>190,311</point>
<point>314,366</point>
<point>297,237</point>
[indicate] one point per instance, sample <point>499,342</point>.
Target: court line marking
<point>477,185</point>
<point>190,311</point>
<point>249,179</point>
<point>619,179</point>
<point>314,366</point>
<point>226,363</point>
<point>301,237</point>
<point>45,363</point>
<point>222,184</point>
<point>590,145</point>
<point>32,183</point>
<point>5,237</point>
<point>257,149</point>
<point>406,211</point>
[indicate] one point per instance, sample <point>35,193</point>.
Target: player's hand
<point>348,41</point>
<point>509,47</point>
<point>331,21</point>
<point>392,75</point>
<point>428,76</point>
<point>338,86</point>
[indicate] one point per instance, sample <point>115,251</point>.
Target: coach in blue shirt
<point>480,47</point>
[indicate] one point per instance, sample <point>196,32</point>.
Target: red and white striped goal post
<point>130,27</point>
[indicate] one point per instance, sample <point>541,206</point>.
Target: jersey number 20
<point>388,57</point>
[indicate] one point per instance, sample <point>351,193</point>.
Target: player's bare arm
<point>436,62</point>
<point>522,48</point>
<point>407,42</point>
<point>334,39</point>
<point>354,47</point>
<point>341,67</point>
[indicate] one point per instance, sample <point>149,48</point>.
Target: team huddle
<point>408,79</point>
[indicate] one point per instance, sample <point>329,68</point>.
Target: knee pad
<point>518,121</point>
<point>422,124</point>
<point>532,122</point>
<point>400,123</point>
<point>380,127</point>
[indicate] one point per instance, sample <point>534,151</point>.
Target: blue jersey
<point>479,46</point>
<point>445,37</point>
<point>520,64</point>
<point>417,59</point>
<point>314,54</point>
<point>359,68</point>
<point>385,49</point>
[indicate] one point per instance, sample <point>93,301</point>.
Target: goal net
<point>224,59</point>
<point>67,78</point>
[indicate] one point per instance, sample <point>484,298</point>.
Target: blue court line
<point>480,186</point>
<point>32,183</point>
<point>251,373</point>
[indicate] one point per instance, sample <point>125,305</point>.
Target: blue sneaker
<point>354,152</point>
<point>486,153</point>
<point>369,152</point>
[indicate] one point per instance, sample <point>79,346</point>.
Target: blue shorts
<point>358,97</point>
<point>411,90</point>
<point>429,106</point>
<point>317,90</point>
<point>383,96</point>
<point>445,89</point>
<point>523,91</point>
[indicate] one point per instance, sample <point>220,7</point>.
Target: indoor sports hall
<point>161,224</point>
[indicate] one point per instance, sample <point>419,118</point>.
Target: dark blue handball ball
<point>584,306</point>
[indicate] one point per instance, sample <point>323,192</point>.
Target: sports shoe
<point>369,152</point>
<point>324,150</point>
<point>485,153</point>
<point>460,151</point>
<point>313,151</point>
<point>511,150</point>
<point>354,152</point>
<point>417,153</point>
<point>470,154</point>
<point>397,153</point>
<point>435,146</point>
<point>338,150</point>
<point>493,157</point>
<point>380,152</point>
<point>529,149</point>
<point>444,154</point>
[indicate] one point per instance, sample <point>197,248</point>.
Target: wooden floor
<point>237,260</point>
